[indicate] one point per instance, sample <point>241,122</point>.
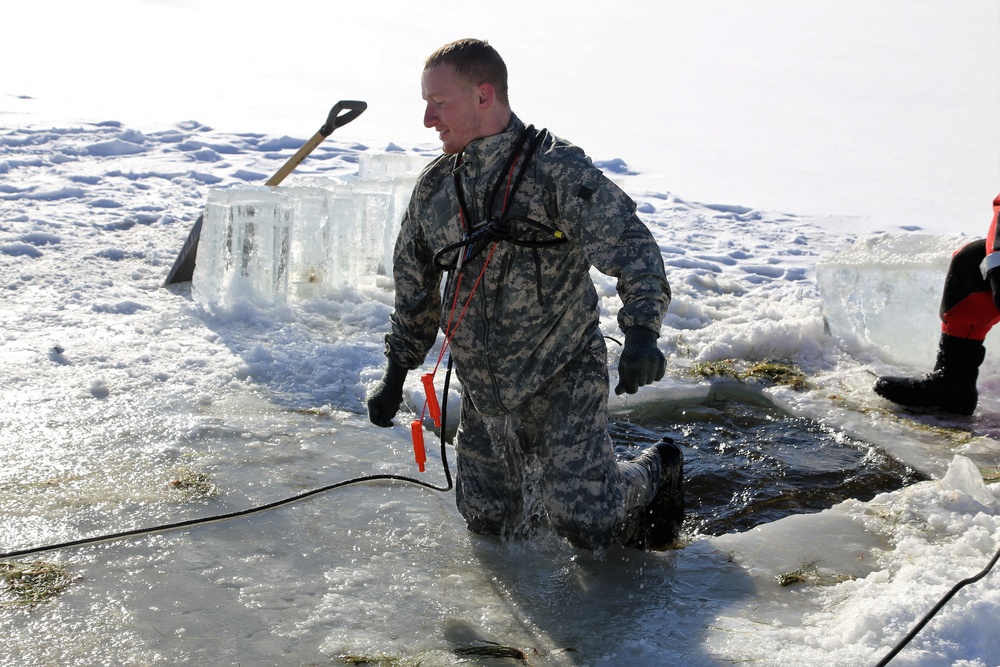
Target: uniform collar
<point>483,155</point>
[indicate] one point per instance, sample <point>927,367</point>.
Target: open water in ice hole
<point>747,463</point>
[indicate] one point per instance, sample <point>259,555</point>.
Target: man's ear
<point>486,95</point>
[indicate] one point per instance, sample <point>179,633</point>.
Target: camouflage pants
<point>551,461</point>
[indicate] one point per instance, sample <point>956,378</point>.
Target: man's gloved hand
<point>384,401</point>
<point>994,279</point>
<point>641,362</point>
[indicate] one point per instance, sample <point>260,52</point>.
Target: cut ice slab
<point>244,244</point>
<point>886,291</point>
<point>272,245</point>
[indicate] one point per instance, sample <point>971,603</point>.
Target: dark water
<point>748,463</point>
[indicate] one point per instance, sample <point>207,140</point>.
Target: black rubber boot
<point>657,526</point>
<point>950,387</point>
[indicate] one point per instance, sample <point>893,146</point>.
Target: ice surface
<point>275,244</point>
<point>886,290</point>
<point>112,386</point>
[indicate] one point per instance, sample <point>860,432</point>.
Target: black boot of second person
<point>950,387</point>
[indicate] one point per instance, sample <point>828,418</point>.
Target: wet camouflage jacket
<point>535,307</point>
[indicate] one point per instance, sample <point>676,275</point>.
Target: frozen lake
<point>115,390</point>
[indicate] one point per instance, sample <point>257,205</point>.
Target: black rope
<point>254,510</point>
<point>920,626</point>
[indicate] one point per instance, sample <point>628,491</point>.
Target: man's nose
<point>430,118</point>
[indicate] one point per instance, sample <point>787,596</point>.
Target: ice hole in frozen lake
<point>747,462</point>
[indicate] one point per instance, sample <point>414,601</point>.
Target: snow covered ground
<point>113,387</point>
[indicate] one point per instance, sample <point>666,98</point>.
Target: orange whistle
<point>432,401</point>
<point>417,430</point>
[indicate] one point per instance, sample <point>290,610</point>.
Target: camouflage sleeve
<point>591,210</point>
<point>414,322</point>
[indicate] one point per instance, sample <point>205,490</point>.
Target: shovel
<point>342,113</point>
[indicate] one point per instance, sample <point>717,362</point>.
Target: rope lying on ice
<point>224,517</point>
<point>920,626</point>
<point>255,510</point>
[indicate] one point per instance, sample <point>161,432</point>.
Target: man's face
<point>452,108</point>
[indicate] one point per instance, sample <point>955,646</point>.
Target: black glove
<point>994,279</point>
<point>384,401</point>
<point>641,362</point>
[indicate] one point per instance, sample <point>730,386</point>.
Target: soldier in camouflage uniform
<point>517,218</point>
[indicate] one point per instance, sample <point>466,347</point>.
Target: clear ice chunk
<point>886,291</point>
<point>244,244</point>
<point>389,164</point>
<point>318,235</point>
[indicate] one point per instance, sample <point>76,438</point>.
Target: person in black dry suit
<point>970,306</point>
<point>516,217</point>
